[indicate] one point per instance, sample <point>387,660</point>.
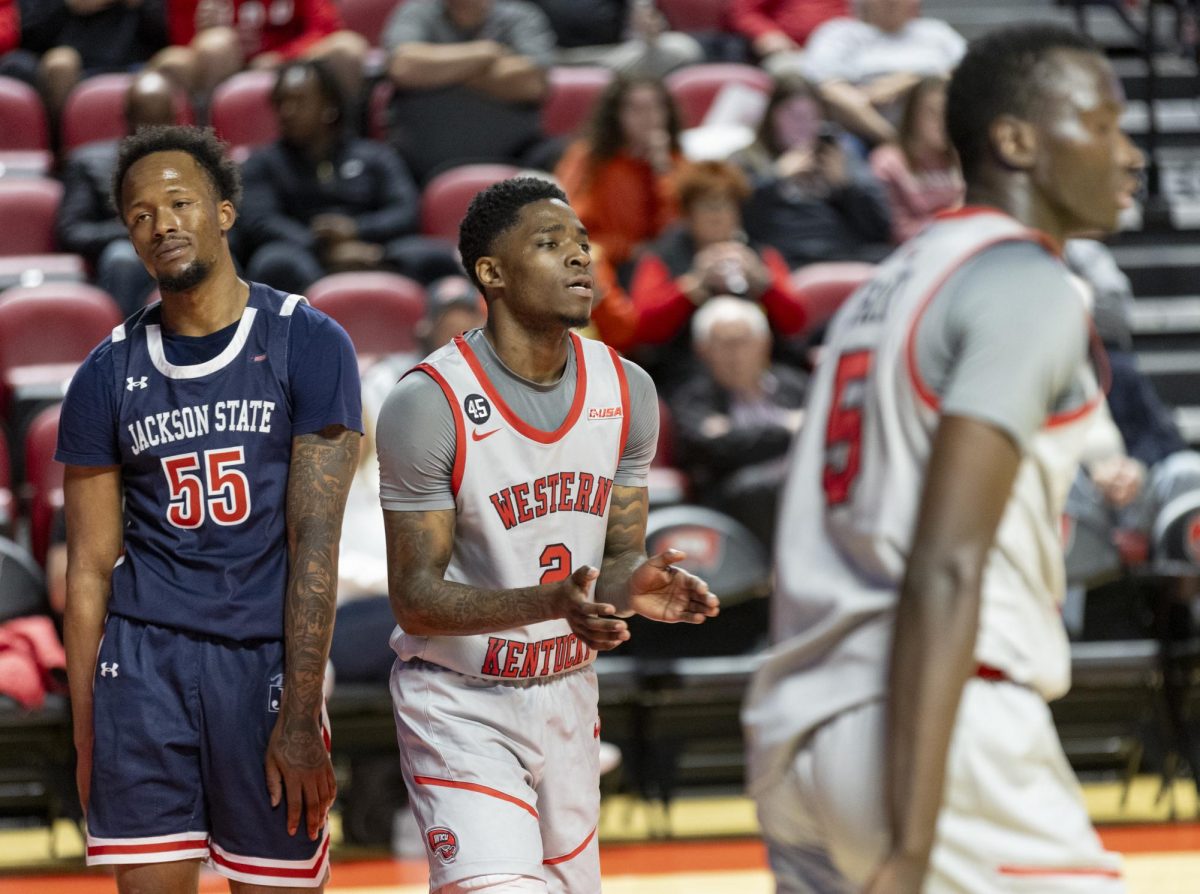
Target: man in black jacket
<point>318,202</point>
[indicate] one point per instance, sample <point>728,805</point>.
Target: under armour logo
<point>131,383</point>
<point>108,670</point>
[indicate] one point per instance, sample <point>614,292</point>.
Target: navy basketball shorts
<point>181,727</point>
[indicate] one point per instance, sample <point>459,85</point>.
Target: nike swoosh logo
<point>476,436</point>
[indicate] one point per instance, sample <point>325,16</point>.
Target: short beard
<point>574,322</point>
<point>190,277</point>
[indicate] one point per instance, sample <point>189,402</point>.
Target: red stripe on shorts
<point>475,787</point>
<point>553,861</point>
<point>275,871</point>
<point>160,847</point>
<point>1058,870</point>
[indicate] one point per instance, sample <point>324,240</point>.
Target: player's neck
<point>209,307</point>
<point>1021,204</point>
<point>537,356</point>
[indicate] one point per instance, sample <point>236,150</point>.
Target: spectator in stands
<point>619,176</point>
<point>454,307</point>
<point>703,256</point>
<point>213,39</point>
<point>470,75</point>
<point>624,35</point>
<point>813,199</point>
<point>735,417</point>
<point>864,67</point>
<point>920,171</point>
<point>15,62</point>
<point>86,223</point>
<point>318,201</point>
<point>78,38</point>
<point>779,29</point>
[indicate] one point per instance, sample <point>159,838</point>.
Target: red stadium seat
<point>6,495</point>
<point>368,17</point>
<point>46,332</point>
<point>379,311</point>
<point>826,285</point>
<point>27,209</point>
<point>694,15</point>
<point>95,110</point>
<point>696,86</point>
<point>44,478</point>
<point>573,93</point>
<point>242,114</point>
<point>25,162</point>
<point>667,484</point>
<point>22,117</point>
<point>446,197</point>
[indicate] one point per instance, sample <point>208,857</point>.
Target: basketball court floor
<point>698,846</point>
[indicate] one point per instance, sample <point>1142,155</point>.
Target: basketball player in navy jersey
<point>209,445</point>
<point>513,468</point>
<point>921,519</point>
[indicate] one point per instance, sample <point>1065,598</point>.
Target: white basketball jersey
<point>854,488</point>
<point>531,505</point>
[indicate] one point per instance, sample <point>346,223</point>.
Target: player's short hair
<point>727,309</point>
<point>1000,75</point>
<point>494,211</point>
<point>201,144</point>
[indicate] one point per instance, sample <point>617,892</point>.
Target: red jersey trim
<point>460,427</point>
<point>476,787</point>
<point>250,866</point>
<point>158,847</point>
<point>1047,241</point>
<point>624,383</point>
<point>1030,871</point>
<point>554,861</point>
<point>534,434</point>
<point>924,392</point>
<point>1104,379</point>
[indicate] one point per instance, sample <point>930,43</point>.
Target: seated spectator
<point>813,199</point>
<point>779,29</point>
<point>624,35</point>
<point>703,256</point>
<point>619,176</point>
<point>87,224</point>
<point>864,67</point>
<point>470,75</point>
<point>15,62</point>
<point>79,38</point>
<point>454,307</point>
<point>737,413</point>
<point>213,39</point>
<point>920,172</point>
<point>318,201</point>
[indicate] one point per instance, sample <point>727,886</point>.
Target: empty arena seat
<point>242,114</point>
<point>45,333</point>
<point>824,286</point>
<point>573,92</point>
<point>27,210</point>
<point>367,17</point>
<point>22,117</point>
<point>43,478</point>
<point>696,86</point>
<point>694,15</point>
<point>445,198</point>
<point>379,311</point>
<point>95,110</point>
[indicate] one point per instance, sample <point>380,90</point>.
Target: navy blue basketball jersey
<point>205,451</point>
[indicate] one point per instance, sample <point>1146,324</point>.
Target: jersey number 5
<point>223,494</point>
<point>843,431</point>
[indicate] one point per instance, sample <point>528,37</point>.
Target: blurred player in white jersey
<point>513,469</point>
<point>920,520</point>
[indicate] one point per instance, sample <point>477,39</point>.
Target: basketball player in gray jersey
<point>920,519</point>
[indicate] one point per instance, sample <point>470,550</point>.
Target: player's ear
<point>1014,141</point>
<point>489,273</point>
<point>226,215</point>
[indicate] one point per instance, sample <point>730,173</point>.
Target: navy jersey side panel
<point>205,451</point>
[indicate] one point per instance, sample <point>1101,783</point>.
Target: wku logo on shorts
<point>443,843</point>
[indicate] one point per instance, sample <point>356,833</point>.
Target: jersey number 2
<point>555,563</point>
<point>843,431</point>
<point>223,494</point>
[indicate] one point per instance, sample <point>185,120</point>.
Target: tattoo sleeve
<point>624,544</point>
<point>419,545</point>
<point>322,468</point>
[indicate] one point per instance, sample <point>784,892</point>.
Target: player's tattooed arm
<point>319,477</point>
<point>419,545</point>
<point>652,587</point>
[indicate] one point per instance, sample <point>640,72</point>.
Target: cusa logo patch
<point>604,413</point>
<point>443,843</point>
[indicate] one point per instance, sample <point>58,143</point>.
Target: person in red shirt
<point>778,29</point>
<point>213,39</point>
